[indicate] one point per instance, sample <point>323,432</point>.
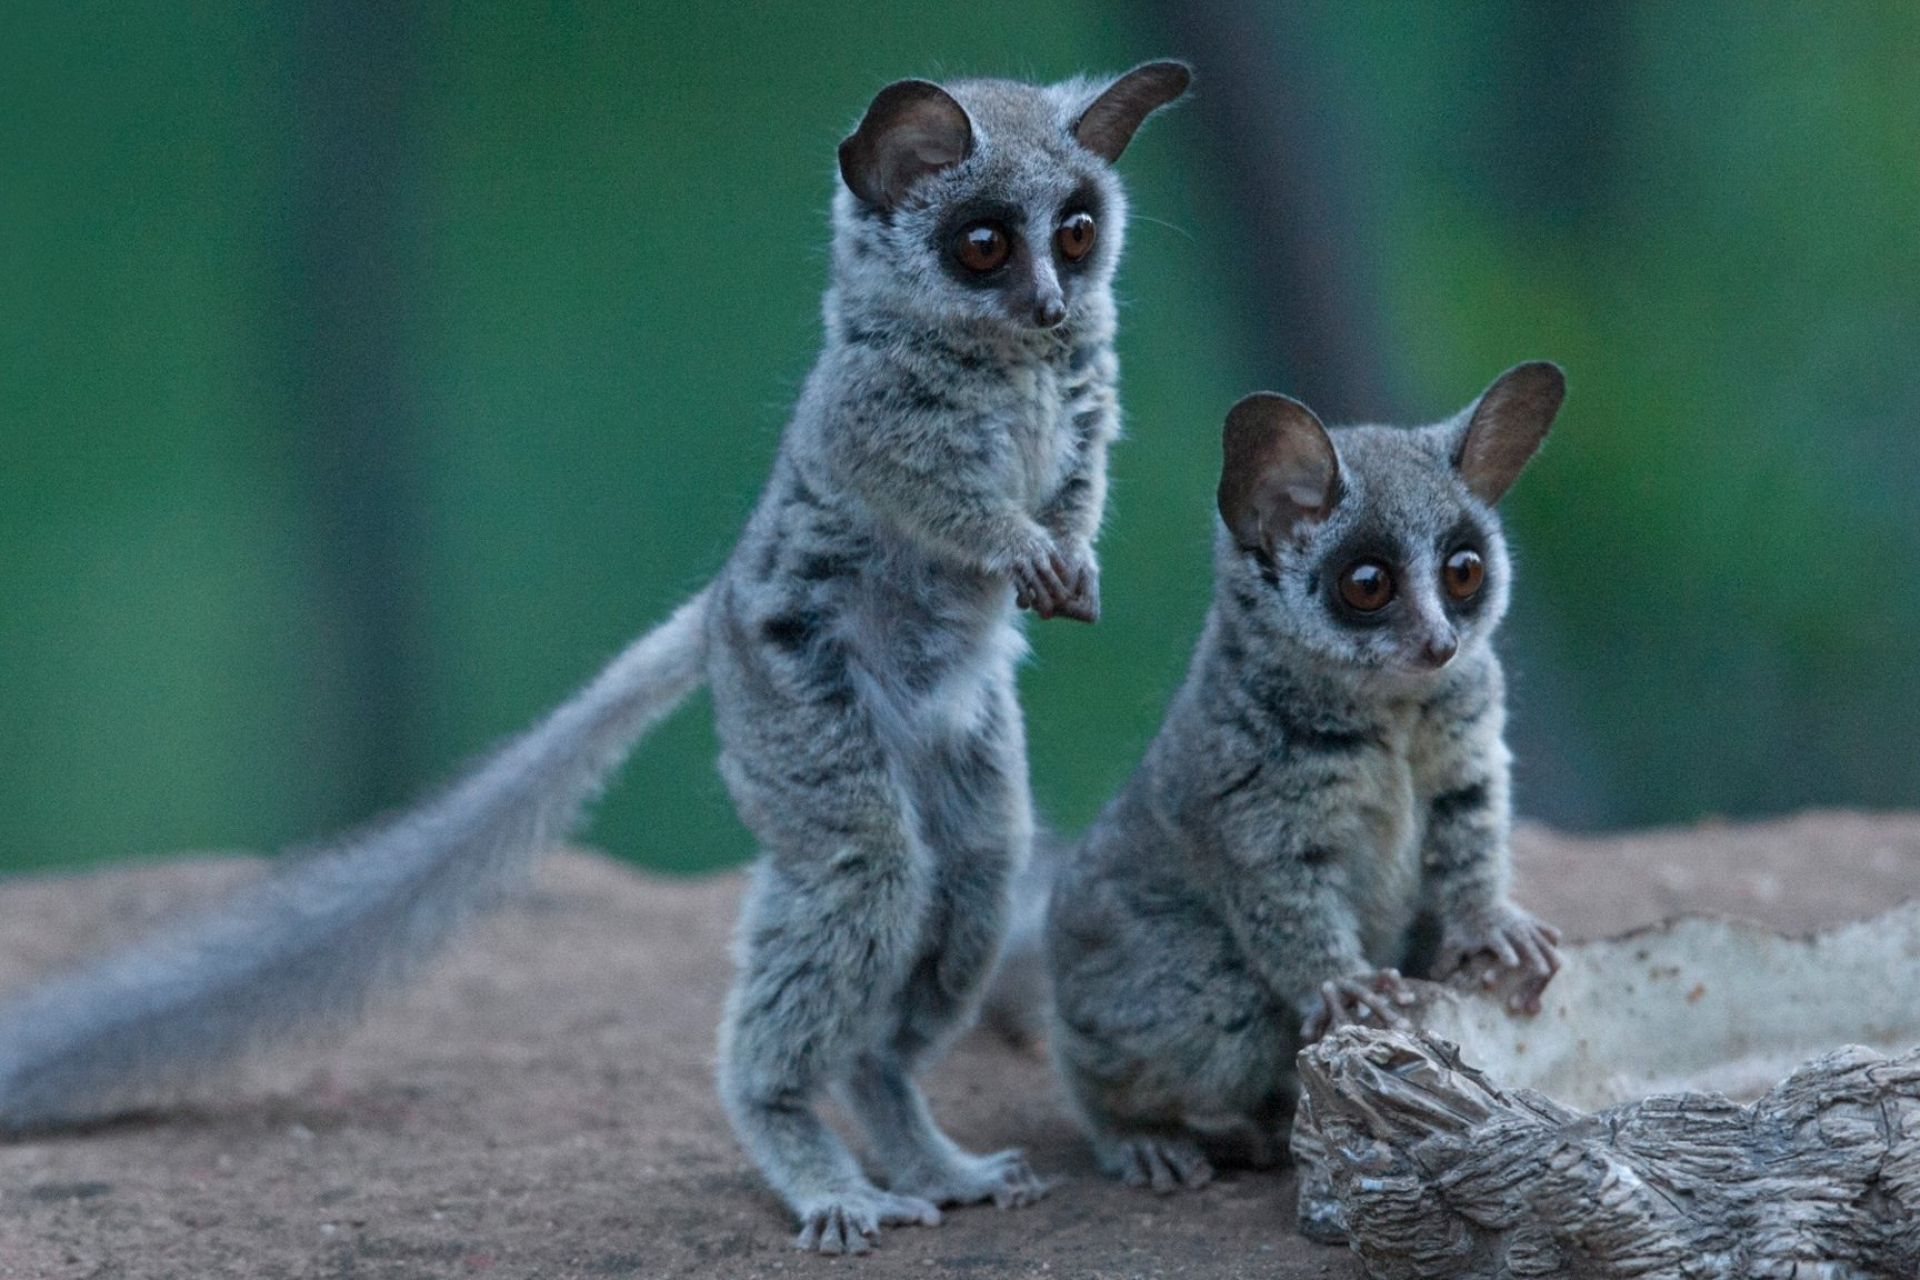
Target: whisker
<point>1161,222</point>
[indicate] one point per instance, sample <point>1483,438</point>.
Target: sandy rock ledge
<point>542,1104</point>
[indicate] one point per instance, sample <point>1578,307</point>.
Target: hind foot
<point>1165,1165</point>
<point>1003,1177</point>
<point>849,1221</point>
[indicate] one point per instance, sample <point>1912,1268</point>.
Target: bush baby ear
<point>1106,127</point>
<point>1508,422</point>
<point>912,129</point>
<point>1279,470</point>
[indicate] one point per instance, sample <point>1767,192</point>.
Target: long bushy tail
<point>301,951</point>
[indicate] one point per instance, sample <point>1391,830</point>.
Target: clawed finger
<point>1525,998</point>
<point>1370,1000</point>
<point>1388,982</point>
<point>1536,954</point>
<point>1038,599</point>
<point>1081,607</point>
<point>1051,571</point>
<point>1040,585</point>
<point>1083,598</point>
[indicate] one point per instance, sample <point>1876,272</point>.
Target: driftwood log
<point>1439,1173</point>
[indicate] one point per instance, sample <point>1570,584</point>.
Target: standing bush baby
<point>945,465</point>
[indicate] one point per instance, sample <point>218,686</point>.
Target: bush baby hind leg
<point>1169,1047</point>
<point>1157,1153</point>
<point>923,1163</point>
<point>826,939</point>
<point>808,998</point>
<point>975,820</point>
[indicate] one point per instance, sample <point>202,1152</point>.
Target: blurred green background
<point>369,373</point>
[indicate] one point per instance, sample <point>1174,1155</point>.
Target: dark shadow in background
<point>1286,146</point>
<point>353,426</point>
<point>1293,151</point>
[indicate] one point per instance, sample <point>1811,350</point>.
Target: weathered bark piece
<point>1440,1173</point>
<point>1697,1006</point>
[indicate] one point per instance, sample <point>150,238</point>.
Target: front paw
<point>1507,949</point>
<point>1370,998</point>
<point>1057,582</point>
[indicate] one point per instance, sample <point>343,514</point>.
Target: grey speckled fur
<point>1326,800</point>
<point>946,458</point>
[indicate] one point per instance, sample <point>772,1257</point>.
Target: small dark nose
<point>1050,311</point>
<point>1439,650</point>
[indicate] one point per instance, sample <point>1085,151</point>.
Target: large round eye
<point>983,246</point>
<point>1074,236</point>
<point>1367,586</point>
<point>1463,574</point>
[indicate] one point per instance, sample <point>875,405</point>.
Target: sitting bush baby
<point>1326,804</point>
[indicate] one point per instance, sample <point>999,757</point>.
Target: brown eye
<point>1367,586</point>
<point>1074,236</point>
<point>1463,574</point>
<point>983,246</point>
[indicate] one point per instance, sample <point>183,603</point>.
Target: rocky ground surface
<point>541,1104</point>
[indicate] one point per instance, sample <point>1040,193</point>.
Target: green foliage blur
<point>612,270</point>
